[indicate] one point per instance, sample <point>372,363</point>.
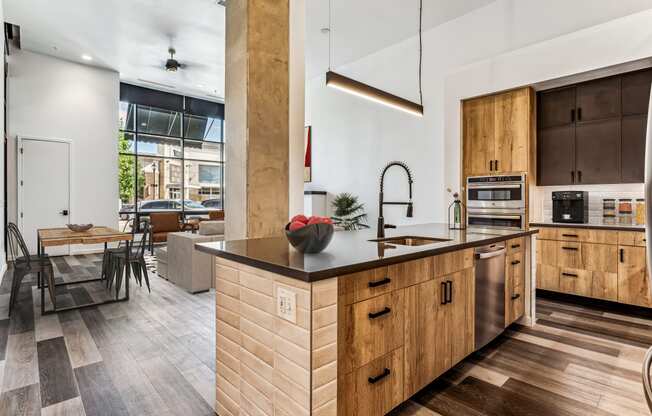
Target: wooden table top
<point>62,236</point>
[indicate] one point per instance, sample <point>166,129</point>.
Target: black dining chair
<point>117,262</point>
<point>24,264</point>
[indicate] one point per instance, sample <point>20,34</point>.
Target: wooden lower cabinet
<point>439,327</point>
<point>575,281</point>
<point>373,389</point>
<point>514,287</point>
<point>632,276</point>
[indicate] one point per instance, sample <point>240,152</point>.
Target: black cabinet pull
<point>374,315</point>
<point>573,115</point>
<point>572,176</point>
<point>443,293</point>
<point>380,282</point>
<point>449,285</point>
<point>570,248</point>
<point>496,164</point>
<point>515,262</point>
<point>516,296</point>
<point>570,235</point>
<point>569,274</point>
<point>579,176</point>
<point>376,379</point>
<point>622,255</point>
<point>516,245</point>
<point>579,114</point>
<point>491,165</point>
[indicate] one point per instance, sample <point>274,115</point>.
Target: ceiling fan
<point>172,65</point>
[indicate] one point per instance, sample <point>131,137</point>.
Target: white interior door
<point>43,188</point>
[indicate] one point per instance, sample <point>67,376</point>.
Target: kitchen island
<point>356,329</point>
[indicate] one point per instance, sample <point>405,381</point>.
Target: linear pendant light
<point>342,83</point>
<point>357,88</point>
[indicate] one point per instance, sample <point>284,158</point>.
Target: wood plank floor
<point>154,355</point>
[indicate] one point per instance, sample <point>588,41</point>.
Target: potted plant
<point>349,213</point>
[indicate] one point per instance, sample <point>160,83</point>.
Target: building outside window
<point>171,158</point>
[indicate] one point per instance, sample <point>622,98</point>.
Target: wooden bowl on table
<point>78,228</point>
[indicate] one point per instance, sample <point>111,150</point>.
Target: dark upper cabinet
<point>636,92</point>
<point>597,147</point>
<point>556,108</point>
<point>633,148</point>
<point>594,132</point>
<point>597,100</point>
<point>556,150</point>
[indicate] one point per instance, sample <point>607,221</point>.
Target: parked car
<point>161,205</point>
<point>212,203</point>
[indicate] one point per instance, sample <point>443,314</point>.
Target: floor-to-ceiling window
<point>171,154</point>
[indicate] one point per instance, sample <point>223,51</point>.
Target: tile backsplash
<point>541,198</point>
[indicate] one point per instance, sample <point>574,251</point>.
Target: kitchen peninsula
<point>356,329</point>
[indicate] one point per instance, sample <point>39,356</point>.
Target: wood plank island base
<point>355,330</point>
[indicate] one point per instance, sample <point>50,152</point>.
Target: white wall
<point>513,42</point>
<point>3,259</point>
<point>49,97</point>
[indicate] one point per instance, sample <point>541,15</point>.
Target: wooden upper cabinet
<point>479,138</point>
<point>556,108</point>
<point>636,92</point>
<point>496,133</point>
<point>512,131</point>
<point>597,100</point>
<point>597,147</point>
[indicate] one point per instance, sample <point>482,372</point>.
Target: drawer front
<point>570,234</point>
<point>515,306</point>
<point>453,262</point>
<point>516,268</point>
<point>361,286</point>
<point>569,255</point>
<point>547,277</point>
<point>370,329</point>
<point>600,236</point>
<point>547,233</point>
<point>631,238</point>
<point>605,286</point>
<point>575,281</point>
<point>374,389</point>
<point>515,245</point>
<point>600,257</point>
<point>412,272</point>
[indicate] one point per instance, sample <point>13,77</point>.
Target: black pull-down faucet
<point>381,202</point>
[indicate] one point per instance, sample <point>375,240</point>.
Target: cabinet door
<point>427,334</point>
<point>556,108</point>
<point>547,269</point>
<point>462,314</point>
<point>514,287</point>
<point>512,124</point>
<point>556,156</point>
<point>632,277</point>
<point>636,92</point>
<point>575,281</point>
<point>597,100</point>
<point>597,147</point>
<point>478,130</point>
<point>632,155</point>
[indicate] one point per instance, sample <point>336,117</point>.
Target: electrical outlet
<point>286,304</point>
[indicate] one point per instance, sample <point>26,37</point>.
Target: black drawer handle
<point>570,248</point>
<point>444,293</point>
<point>569,274</point>
<point>516,245</point>
<point>374,315</point>
<point>515,262</point>
<point>516,296</point>
<point>570,235</point>
<point>622,255</point>
<point>374,380</point>
<point>380,282</point>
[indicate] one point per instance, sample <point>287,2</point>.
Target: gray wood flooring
<point>155,355</point>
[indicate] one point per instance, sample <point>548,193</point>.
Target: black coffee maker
<point>570,207</point>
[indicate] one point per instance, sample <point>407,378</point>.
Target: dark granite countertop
<point>350,251</point>
<point>593,223</point>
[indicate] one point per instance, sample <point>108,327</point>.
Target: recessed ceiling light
<point>86,57</point>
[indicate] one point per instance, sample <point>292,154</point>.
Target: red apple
<point>295,225</point>
<point>327,220</point>
<point>300,218</point>
<point>314,220</point>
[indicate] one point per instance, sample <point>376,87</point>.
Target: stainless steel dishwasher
<point>489,293</point>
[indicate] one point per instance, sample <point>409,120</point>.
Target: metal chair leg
<point>15,288</point>
<point>143,265</point>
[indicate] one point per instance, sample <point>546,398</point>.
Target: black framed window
<point>169,158</point>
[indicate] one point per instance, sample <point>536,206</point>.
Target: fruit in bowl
<point>309,234</point>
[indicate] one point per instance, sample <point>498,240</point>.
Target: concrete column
<point>257,117</point>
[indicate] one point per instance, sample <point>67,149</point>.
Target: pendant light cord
<point>420,50</point>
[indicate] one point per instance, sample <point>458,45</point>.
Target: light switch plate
<point>286,304</point>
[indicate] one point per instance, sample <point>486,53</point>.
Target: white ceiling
<point>131,37</point>
<point>362,27</point>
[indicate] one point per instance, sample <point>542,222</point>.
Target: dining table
<point>52,237</point>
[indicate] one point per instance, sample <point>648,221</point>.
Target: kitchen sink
<point>409,240</point>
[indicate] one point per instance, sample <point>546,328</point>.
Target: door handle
<point>579,114</point>
<point>376,379</point>
<point>570,248</point>
<point>622,255</point>
<point>496,164</point>
<point>579,176</point>
<point>572,176</point>
<point>374,315</point>
<point>516,296</point>
<point>515,262</point>
<point>380,282</point>
<point>491,165</point>
<point>443,293</point>
<point>569,274</point>
<point>449,286</point>
<point>573,115</point>
<point>64,212</point>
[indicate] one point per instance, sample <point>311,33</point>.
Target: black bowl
<point>310,239</point>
